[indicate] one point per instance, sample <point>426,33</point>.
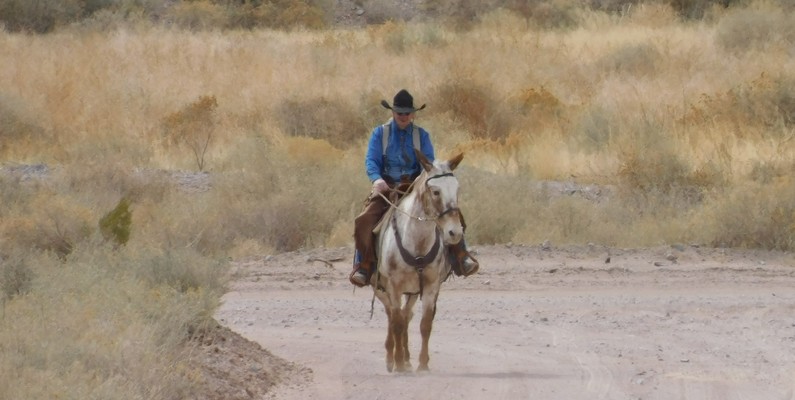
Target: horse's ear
<point>453,162</point>
<point>426,164</point>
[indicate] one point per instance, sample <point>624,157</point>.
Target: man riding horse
<point>391,165</point>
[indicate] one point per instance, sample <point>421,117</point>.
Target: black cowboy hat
<point>403,103</point>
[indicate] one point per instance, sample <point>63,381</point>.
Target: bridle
<point>422,218</point>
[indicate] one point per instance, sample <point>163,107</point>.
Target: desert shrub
<point>277,14</point>
<point>540,106</point>
<point>196,15</point>
<point>38,16</point>
<point>463,15</point>
<point>753,216</point>
<point>651,162</point>
<point>613,6</point>
<point>115,225</point>
<point>248,16</point>
<point>282,223</point>
<point>762,102</point>
<point>461,10</point>
<point>759,29</point>
<point>293,192</point>
<point>475,106</point>
<point>322,118</point>
<point>16,276</point>
<point>124,336</point>
<point>183,270</point>
<point>495,206</point>
<point>46,222</point>
<point>395,36</point>
<point>696,9</point>
<point>595,129</point>
<point>296,14</point>
<point>193,126</point>
<point>19,131</point>
<point>638,59</point>
<point>552,14</point>
<point>649,167</point>
<point>45,15</point>
<point>381,11</point>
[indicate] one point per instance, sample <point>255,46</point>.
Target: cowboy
<point>391,164</point>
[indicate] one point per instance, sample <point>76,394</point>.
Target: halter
<point>451,209</point>
<point>421,218</point>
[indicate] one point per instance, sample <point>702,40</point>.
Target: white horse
<point>412,256</point>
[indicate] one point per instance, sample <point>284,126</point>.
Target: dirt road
<point>678,322</point>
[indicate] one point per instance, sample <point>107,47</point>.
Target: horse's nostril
<point>451,233</point>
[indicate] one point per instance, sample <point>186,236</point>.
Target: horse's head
<point>437,188</point>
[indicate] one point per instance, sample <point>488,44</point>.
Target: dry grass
<point>690,123</point>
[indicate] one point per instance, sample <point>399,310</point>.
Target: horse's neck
<point>408,222</point>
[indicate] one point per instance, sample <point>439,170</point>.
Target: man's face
<point>403,119</point>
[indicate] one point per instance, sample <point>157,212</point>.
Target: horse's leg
<point>426,325</point>
<point>409,313</point>
<point>389,344</point>
<point>395,338</point>
<point>398,326</point>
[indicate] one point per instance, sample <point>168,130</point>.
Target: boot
<point>359,276</point>
<point>462,261</point>
<point>469,265</point>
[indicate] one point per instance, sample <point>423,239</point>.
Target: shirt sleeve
<point>373,162</point>
<point>425,145</point>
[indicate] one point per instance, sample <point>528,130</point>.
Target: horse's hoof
<point>389,367</point>
<point>423,368</point>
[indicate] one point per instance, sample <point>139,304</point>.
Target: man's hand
<point>380,186</point>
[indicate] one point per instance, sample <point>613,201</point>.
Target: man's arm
<point>426,147</point>
<point>373,161</point>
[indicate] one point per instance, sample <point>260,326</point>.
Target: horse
<point>412,256</point>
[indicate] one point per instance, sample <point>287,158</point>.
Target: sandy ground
<point>679,322</point>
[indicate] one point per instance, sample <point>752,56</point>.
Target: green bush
<point>115,225</point>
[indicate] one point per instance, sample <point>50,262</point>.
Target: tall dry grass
<point>687,125</point>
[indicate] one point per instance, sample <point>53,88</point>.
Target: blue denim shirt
<point>393,164</point>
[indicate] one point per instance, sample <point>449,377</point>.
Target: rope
<point>393,205</point>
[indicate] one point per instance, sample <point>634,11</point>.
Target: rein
<point>420,218</point>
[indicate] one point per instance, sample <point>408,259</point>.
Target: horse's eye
<point>436,193</point>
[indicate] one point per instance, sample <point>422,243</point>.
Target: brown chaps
<point>375,207</point>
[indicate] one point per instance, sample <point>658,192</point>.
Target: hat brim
<point>401,110</point>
